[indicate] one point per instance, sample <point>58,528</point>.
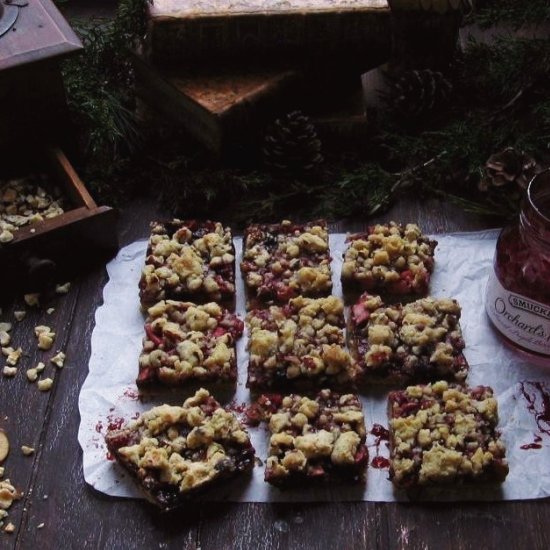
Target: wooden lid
<point>40,32</point>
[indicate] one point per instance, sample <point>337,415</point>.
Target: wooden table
<point>75,516</point>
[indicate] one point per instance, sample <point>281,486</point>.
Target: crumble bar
<point>285,260</point>
<point>316,439</point>
<point>389,258</point>
<point>444,433</point>
<point>187,342</point>
<point>174,452</point>
<point>416,342</point>
<point>300,345</point>
<point>189,260</point>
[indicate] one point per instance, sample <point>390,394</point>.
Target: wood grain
<point>76,516</point>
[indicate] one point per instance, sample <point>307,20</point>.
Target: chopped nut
<point>32,299</point>
<point>45,384</point>
<point>50,310</point>
<point>4,446</point>
<point>62,289</point>
<point>19,315</point>
<point>32,375</point>
<point>40,367</point>
<point>26,450</point>
<point>9,528</point>
<point>58,359</point>
<point>45,337</point>
<point>9,371</point>
<point>5,327</point>
<point>5,338</point>
<point>3,514</point>
<point>1,471</point>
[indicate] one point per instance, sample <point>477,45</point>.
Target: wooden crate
<point>335,33</point>
<point>56,249</point>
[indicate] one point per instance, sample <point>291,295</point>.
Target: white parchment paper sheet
<point>463,262</point>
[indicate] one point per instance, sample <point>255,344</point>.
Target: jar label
<point>522,320</point>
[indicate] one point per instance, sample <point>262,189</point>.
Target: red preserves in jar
<point>518,291</point>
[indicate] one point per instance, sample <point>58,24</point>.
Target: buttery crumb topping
<point>422,338</point>
<point>311,437</point>
<point>281,261</point>
<point>183,340</point>
<point>391,257</point>
<point>188,259</point>
<point>183,448</point>
<point>303,340</point>
<point>443,432</point>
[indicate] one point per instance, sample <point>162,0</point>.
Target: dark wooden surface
<point>76,516</point>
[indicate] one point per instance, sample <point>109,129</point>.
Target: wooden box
<point>56,249</point>
<point>323,32</point>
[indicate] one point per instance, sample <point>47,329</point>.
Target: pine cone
<point>417,93</point>
<point>509,166</point>
<point>291,144</point>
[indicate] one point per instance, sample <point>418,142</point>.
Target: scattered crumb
<point>40,367</point>
<point>6,236</point>
<point>45,497</point>
<point>13,355</point>
<point>5,327</point>
<point>9,371</point>
<point>33,230</point>
<point>9,528</point>
<point>5,338</point>
<point>58,359</point>
<point>32,299</point>
<point>62,289</point>
<point>4,447</point>
<point>19,315</point>
<point>27,451</point>
<point>40,525</point>
<point>50,310</point>
<point>45,385</point>
<point>45,337</point>
<point>8,493</point>
<point>32,375</point>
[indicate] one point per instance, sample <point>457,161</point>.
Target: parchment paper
<point>463,262</point>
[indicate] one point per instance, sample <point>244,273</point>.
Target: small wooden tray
<point>57,249</point>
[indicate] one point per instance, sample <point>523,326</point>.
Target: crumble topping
<point>183,448</point>
<point>183,341</point>
<point>442,433</point>
<point>281,261</point>
<point>419,339</point>
<point>187,259</point>
<point>391,257</point>
<point>303,340</point>
<point>312,437</point>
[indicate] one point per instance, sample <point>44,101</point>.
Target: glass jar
<point>518,291</point>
